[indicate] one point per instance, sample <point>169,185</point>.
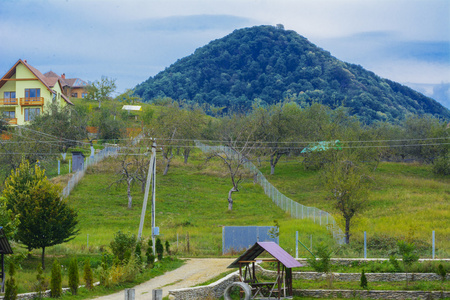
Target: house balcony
<point>8,101</point>
<point>11,121</point>
<point>32,101</point>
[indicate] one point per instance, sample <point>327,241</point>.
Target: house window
<point>74,95</point>
<point>9,95</point>
<point>32,93</point>
<point>9,114</point>
<point>83,95</point>
<point>54,98</point>
<point>30,113</point>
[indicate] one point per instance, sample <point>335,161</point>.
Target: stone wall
<point>47,293</point>
<point>397,295</point>
<point>388,277</point>
<point>212,291</point>
<point>350,261</point>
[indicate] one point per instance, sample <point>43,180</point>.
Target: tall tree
<point>347,184</point>
<point>101,90</point>
<point>45,219</point>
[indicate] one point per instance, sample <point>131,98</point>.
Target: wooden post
<point>279,280</point>
<point>3,273</point>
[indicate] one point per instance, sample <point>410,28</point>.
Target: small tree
<point>441,272</point>
<point>323,264</point>
<point>11,286</point>
<point>408,256</point>
<point>74,279</point>
<point>88,276</point>
<point>56,280</point>
<point>123,245</point>
<point>167,244</point>
<point>363,282</point>
<point>149,253</point>
<point>138,250</point>
<point>101,90</point>
<point>159,249</point>
<point>42,283</point>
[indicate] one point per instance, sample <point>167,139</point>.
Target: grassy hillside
<point>190,200</point>
<point>406,202</point>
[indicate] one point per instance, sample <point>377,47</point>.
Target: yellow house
<point>25,92</point>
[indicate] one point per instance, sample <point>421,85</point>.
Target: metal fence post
<point>365,245</point>
<point>434,248</point>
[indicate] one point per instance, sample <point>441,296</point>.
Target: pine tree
<point>159,249</point>
<point>11,286</point>
<point>40,286</point>
<point>87,275</point>
<point>167,248</point>
<point>55,282</point>
<point>74,279</point>
<point>363,280</point>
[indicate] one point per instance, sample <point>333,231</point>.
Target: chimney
<point>63,76</point>
<point>25,61</point>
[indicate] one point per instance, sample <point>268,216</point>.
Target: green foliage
<point>441,272</point>
<point>45,219</point>
<point>74,279</point>
<point>138,250</point>
<point>122,245</point>
<point>88,276</point>
<point>101,90</point>
<point>363,281</point>
<point>159,249</point>
<point>167,245</point>
<point>441,165</point>
<point>271,65</point>
<point>394,262</point>
<point>11,286</point>
<point>56,280</point>
<point>407,252</point>
<point>149,253</point>
<point>8,219</point>
<point>104,271</point>
<point>42,283</point>
<point>323,263</point>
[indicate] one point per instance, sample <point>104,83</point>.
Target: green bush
<point>323,264</point>
<point>363,283</point>
<point>123,245</point>
<point>87,275</point>
<point>442,272</point>
<point>167,247</point>
<point>11,285</point>
<point>441,166</point>
<point>42,283</point>
<point>159,249</point>
<point>56,280</point>
<point>74,279</point>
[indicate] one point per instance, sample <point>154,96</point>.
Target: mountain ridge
<point>272,64</point>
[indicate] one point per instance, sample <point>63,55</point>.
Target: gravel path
<point>193,272</point>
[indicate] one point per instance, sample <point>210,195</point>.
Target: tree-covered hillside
<point>271,64</point>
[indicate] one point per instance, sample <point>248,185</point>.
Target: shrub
<point>394,262</point>
<point>159,249</point>
<point>122,245</point>
<point>322,264</point>
<point>11,286</point>
<point>441,272</point>
<point>363,280</point>
<point>55,282</point>
<point>138,250</point>
<point>74,279</point>
<point>87,275</point>
<point>149,253</point>
<point>441,165</point>
<point>167,248</point>
<point>104,271</point>
<point>42,283</point>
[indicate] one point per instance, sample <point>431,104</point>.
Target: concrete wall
<point>212,291</point>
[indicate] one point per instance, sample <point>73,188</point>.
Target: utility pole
<point>150,175</point>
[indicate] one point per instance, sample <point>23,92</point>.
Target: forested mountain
<point>271,64</point>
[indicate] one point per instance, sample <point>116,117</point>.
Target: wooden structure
<point>5,248</point>
<point>281,288</point>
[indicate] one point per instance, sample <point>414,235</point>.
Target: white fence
<point>295,209</point>
<point>106,152</point>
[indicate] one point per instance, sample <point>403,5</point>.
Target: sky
<point>407,41</point>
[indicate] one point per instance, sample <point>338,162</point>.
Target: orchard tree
<point>101,90</point>
<point>45,219</point>
<point>348,186</point>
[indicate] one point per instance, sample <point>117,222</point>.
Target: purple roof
<point>273,249</point>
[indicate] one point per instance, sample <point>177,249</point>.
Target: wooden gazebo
<point>281,288</point>
<point>5,248</point>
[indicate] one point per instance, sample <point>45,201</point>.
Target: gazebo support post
<point>279,280</point>
<point>3,273</point>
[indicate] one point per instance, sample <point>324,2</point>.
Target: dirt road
<point>195,271</point>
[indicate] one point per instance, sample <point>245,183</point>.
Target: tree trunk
<point>43,258</point>
<point>186,153</point>
<point>230,200</point>
<point>272,166</point>
<point>347,231</point>
<point>130,199</point>
<point>166,170</point>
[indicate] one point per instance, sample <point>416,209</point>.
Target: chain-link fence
<point>295,209</point>
<point>106,152</point>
